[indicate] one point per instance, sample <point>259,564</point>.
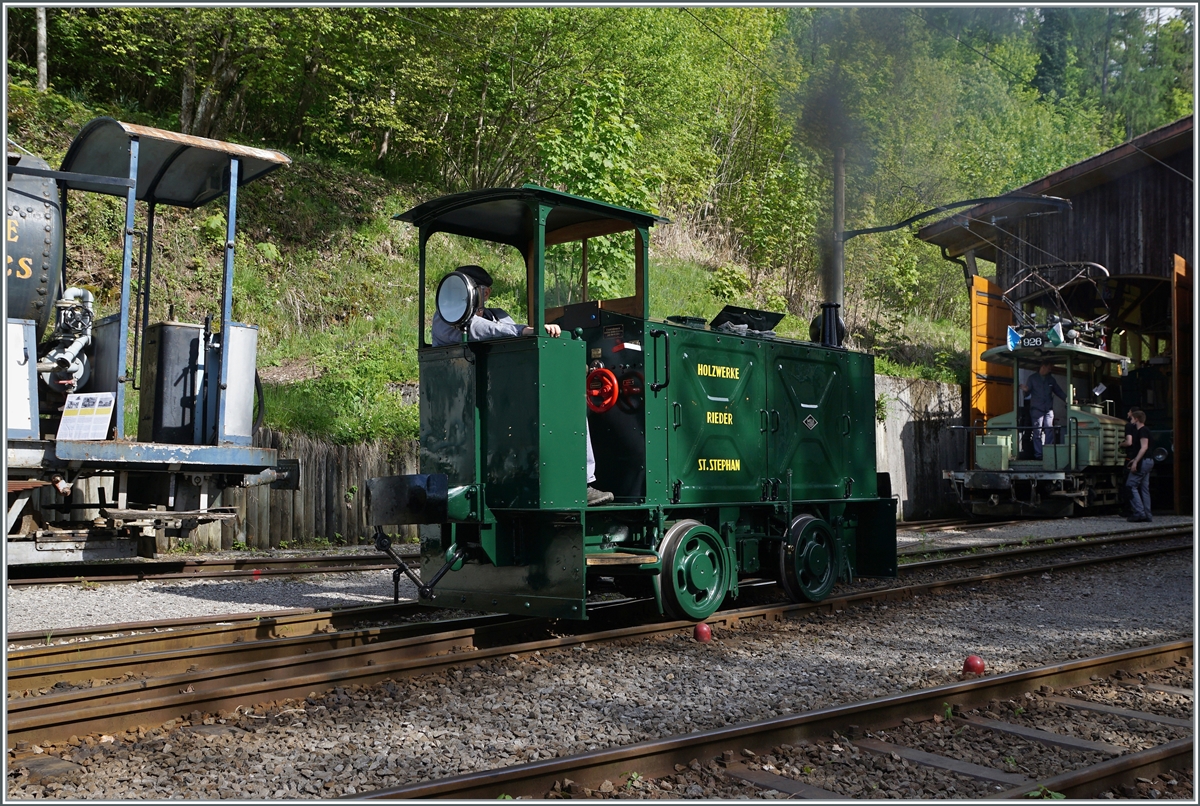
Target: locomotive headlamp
<point>458,297</point>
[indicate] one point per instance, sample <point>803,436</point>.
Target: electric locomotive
<point>1082,462</point>
<point>731,452</point>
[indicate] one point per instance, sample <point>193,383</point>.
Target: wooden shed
<point>1123,251</point>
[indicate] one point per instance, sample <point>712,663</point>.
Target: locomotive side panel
<point>447,402</point>
<point>510,413</point>
<point>808,419</point>
<point>562,432</point>
<point>860,405</point>
<point>716,436</point>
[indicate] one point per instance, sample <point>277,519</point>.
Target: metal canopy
<point>175,169</point>
<point>504,215</point>
<point>1060,354</point>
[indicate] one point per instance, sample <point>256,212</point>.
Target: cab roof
<point>1059,355</point>
<point>174,169</point>
<point>504,215</point>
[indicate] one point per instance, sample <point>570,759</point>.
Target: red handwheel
<point>602,390</point>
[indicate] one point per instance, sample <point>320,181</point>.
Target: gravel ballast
<point>514,710</point>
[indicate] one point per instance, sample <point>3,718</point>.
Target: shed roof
<point>175,169</point>
<point>976,227</point>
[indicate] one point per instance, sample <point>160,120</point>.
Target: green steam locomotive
<point>731,453</point>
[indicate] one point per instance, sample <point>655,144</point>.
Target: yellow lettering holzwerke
<point>716,371</point>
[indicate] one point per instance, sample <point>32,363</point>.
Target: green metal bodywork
<point>738,433</point>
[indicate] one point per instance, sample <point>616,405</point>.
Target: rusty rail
<point>659,757</point>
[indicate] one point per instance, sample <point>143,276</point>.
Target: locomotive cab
<point>729,452</point>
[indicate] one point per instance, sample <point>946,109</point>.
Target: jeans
<point>1043,425</point>
<point>1139,489</point>
<point>590,467</point>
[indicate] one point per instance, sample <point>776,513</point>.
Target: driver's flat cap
<point>476,273</point>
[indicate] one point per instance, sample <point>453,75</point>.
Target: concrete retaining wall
<point>912,443</point>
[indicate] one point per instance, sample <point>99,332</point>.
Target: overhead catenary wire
<point>730,45</point>
<point>1163,164</point>
<point>1022,79</point>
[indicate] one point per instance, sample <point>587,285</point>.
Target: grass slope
<point>331,281</point>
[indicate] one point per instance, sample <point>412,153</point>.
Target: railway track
<point>204,568</point>
<point>952,524</point>
<point>257,567</point>
<point>776,754</point>
<point>146,677</point>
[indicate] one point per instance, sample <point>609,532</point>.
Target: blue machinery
<point>196,382</point>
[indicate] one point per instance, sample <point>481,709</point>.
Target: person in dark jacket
<point>1140,465</point>
<point>1041,388</point>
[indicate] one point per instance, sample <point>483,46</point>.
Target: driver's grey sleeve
<point>444,333</point>
<point>480,329</point>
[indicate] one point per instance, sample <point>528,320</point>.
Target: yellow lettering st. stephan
<point>719,417</point>
<point>720,464</point>
<point>714,371</point>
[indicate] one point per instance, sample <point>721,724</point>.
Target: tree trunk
<point>43,73</point>
<point>1104,60</point>
<point>187,100</point>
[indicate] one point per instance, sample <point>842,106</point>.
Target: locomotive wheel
<point>809,560</point>
<point>694,574</point>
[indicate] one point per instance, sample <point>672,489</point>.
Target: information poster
<point>86,416</point>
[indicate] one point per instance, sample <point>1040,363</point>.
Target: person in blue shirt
<point>495,323</point>
<point>1041,388</point>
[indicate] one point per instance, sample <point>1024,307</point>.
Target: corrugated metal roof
<point>175,169</point>
<point>971,230</point>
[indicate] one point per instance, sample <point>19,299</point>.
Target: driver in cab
<point>495,323</point>
<point>487,323</point>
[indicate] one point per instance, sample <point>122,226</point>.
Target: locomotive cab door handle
<point>847,423</point>
<point>676,414</point>
<point>656,386</point>
<point>763,420</point>
<point>778,421</point>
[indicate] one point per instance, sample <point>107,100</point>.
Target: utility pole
<point>43,73</point>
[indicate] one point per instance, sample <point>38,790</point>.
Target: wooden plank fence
<point>329,503</point>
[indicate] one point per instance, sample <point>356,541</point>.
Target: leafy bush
<point>728,283</point>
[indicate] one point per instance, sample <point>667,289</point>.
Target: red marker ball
<point>973,664</point>
<point>702,633</point>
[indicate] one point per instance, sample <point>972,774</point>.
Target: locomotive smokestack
<point>829,323</point>
<point>835,276</point>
